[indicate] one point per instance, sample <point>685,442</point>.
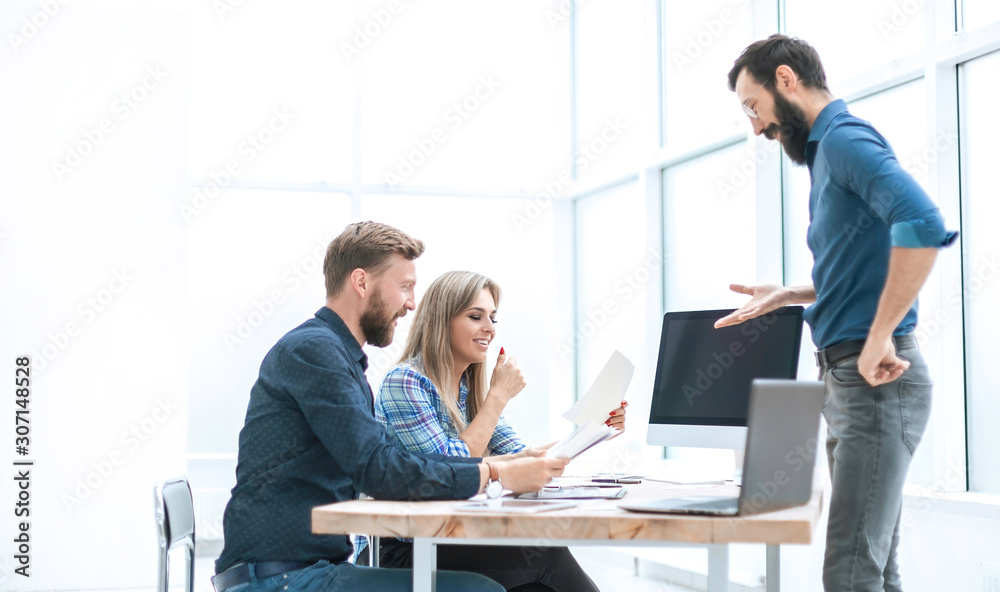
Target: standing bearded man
<point>863,298</point>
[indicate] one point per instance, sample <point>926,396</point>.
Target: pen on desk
<point>581,486</point>
<point>618,480</point>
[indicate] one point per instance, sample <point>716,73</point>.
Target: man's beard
<point>793,127</point>
<point>377,321</point>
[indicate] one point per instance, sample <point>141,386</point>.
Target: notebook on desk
<point>780,454</point>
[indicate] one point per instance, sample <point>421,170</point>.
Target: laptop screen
<point>703,374</point>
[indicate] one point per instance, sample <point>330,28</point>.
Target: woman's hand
<point>617,419</point>
<point>507,380</point>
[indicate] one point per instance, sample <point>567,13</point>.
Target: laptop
<point>780,454</point>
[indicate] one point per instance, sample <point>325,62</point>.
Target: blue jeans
<point>324,576</point>
<point>872,434</point>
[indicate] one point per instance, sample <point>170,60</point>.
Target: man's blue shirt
<point>310,438</point>
<point>862,203</point>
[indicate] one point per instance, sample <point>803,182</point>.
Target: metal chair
<point>174,506</point>
<point>373,542</point>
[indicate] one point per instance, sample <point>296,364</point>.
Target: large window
<point>979,13</point>
<point>700,42</point>
<point>618,268</point>
<point>856,36</point>
<point>732,211</point>
<point>982,269</point>
<point>259,103</point>
<point>437,95</point>
<point>476,234</point>
<point>709,229</point>
<point>613,131</point>
<point>246,291</point>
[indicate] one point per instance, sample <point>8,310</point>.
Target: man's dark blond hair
<point>368,246</point>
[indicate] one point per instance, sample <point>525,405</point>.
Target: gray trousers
<point>872,434</point>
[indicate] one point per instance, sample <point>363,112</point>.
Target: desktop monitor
<point>701,393</point>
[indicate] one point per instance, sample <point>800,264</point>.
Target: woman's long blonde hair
<point>430,339</point>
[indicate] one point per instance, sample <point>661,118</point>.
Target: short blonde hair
<point>430,339</point>
<point>365,245</point>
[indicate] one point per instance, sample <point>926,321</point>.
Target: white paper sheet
<point>606,394</point>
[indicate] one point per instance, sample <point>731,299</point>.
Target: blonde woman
<point>437,400</point>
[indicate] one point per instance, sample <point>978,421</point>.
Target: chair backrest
<point>174,508</point>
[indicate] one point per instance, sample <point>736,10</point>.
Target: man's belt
<point>832,356</point>
<point>240,574</point>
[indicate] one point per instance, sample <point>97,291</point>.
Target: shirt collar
<point>820,126</point>
<point>340,328</point>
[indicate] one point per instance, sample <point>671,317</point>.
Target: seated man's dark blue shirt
<point>310,438</point>
<point>862,203</point>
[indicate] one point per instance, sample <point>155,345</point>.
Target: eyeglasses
<point>750,112</point>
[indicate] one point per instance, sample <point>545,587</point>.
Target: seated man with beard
<point>311,438</point>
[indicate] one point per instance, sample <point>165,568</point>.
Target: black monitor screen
<point>703,374</point>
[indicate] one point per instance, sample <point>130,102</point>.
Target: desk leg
<point>773,573</point>
<point>718,568</point>
<point>424,565</point>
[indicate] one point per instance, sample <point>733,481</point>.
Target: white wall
<point>94,274</point>
<point>189,300</point>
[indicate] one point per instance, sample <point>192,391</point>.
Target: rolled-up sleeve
<point>862,160</point>
<point>404,406</point>
<point>916,234</point>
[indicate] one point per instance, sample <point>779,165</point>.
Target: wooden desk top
<point>592,519</point>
